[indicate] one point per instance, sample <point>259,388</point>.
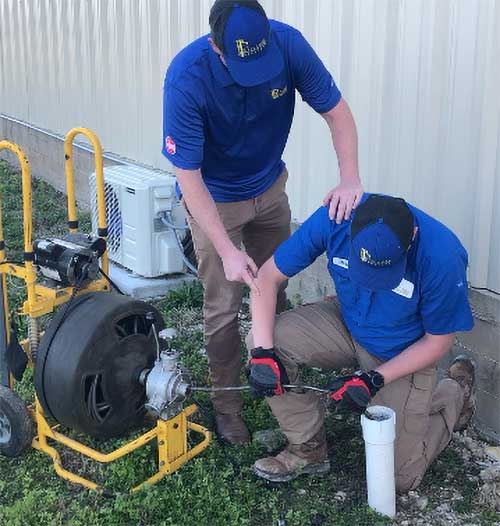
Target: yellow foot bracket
<point>171,436</point>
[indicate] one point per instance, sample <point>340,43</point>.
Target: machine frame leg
<point>172,444</point>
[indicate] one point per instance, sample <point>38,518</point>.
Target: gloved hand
<point>266,373</point>
<point>354,391</point>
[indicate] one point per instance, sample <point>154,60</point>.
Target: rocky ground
<point>462,488</point>
<point>441,504</point>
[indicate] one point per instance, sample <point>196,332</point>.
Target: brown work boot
<point>231,428</point>
<point>310,458</point>
<point>462,370</point>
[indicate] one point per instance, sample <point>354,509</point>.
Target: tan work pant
<point>261,225</point>
<point>426,412</point>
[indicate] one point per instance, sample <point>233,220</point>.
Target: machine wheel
<point>89,362</point>
<point>16,425</point>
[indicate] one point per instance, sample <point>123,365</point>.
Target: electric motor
<point>73,260</point>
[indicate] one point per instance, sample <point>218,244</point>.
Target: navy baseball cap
<point>381,234</point>
<point>241,30</point>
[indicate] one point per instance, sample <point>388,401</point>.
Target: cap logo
<point>277,92</point>
<point>245,50</point>
<point>366,257</point>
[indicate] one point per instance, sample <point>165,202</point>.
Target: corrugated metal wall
<point>422,78</point>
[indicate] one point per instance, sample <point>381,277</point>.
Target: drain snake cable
<point>247,387</point>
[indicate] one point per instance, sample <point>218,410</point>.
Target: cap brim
<point>254,72</point>
<point>376,278</point>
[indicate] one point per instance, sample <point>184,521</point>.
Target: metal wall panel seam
<point>420,75</point>
<point>488,160</point>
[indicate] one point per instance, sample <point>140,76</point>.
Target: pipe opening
<point>378,414</point>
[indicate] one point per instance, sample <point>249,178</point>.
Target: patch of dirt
<point>443,504</point>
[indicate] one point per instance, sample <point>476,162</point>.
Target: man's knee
<point>282,332</point>
<point>407,482</point>
<point>410,474</point>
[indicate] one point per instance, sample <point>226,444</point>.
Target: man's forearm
<point>263,306</point>
<point>425,352</point>
<point>202,207</point>
<point>345,140</point>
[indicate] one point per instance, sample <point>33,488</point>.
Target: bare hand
<point>239,266</point>
<point>343,199</point>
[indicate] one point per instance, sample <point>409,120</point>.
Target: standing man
<point>229,100</point>
<point>400,278</point>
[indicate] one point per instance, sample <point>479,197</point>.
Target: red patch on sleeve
<point>170,145</point>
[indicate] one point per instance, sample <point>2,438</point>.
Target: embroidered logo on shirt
<point>405,288</point>
<point>367,258</point>
<point>244,50</point>
<point>340,262</point>
<point>277,93</point>
<point>170,145</point>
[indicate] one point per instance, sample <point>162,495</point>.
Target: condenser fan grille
<point>113,216</point>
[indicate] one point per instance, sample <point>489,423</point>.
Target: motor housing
<point>70,261</point>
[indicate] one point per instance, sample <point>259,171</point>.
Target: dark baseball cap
<point>381,234</point>
<point>241,30</point>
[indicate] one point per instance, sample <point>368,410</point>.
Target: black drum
<point>89,362</point>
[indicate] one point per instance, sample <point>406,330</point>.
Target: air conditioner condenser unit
<point>137,202</point>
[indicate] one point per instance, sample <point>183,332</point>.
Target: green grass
<point>489,518</point>
<point>217,487</point>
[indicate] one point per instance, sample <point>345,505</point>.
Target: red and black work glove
<point>266,373</point>
<point>353,392</point>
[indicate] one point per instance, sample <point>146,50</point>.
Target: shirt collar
<point>414,244</point>
<point>219,71</point>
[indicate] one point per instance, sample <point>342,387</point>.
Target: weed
<point>214,489</point>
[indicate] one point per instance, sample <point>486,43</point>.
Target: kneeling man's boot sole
<point>310,458</point>
<point>462,370</point>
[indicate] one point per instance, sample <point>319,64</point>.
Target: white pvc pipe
<point>379,433</point>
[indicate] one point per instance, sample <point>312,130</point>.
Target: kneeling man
<point>401,285</point>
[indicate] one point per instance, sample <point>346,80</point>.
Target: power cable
<point>111,282</point>
<point>486,289</point>
<point>167,220</point>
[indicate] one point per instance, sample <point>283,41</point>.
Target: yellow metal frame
<point>171,435</point>
<point>43,300</point>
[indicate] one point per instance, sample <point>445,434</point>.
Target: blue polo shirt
<point>431,298</point>
<point>237,135</point>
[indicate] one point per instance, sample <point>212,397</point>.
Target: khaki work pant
<point>261,225</point>
<point>426,411</point>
